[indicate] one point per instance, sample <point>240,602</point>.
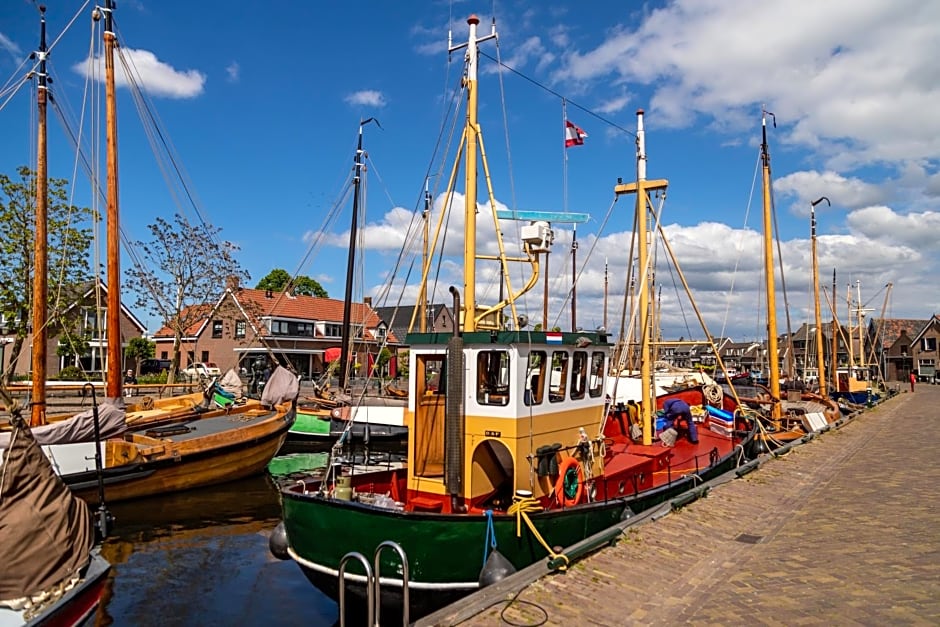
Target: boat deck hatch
<point>168,431</point>
<point>748,538</point>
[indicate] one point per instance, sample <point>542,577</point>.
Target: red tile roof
<point>280,305</point>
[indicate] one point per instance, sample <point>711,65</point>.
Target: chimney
<point>268,294</point>
<point>231,282</point>
<point>368,301</point>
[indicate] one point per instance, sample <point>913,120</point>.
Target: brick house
<point>248,323</point>
<point>440,319</point>
<point>893,341</point>
<point>88,315</point>
<point>926,350</point>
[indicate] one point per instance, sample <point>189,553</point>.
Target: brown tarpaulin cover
<point>46,533</point>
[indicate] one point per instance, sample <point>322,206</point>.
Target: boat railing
<point>377,596</point>
<point>374,583</point>
<point>370,587</point>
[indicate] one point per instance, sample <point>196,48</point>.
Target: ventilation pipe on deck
<point>454,414</point>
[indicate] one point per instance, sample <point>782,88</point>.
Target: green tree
<point>138,349</point>
<point>182,269</point>
<point>68,243</point>
<point>279,280</point>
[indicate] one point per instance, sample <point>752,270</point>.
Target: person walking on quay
<point>913,379</point>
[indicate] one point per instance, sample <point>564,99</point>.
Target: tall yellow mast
<point>772,359</point>
<point>640,188</point>
<point>470,193</point>
<point>820,364</point>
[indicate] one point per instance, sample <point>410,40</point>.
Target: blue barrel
<point>721,414</point>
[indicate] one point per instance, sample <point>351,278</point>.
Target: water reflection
<point>201,558</point>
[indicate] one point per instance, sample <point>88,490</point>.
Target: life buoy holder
<point>566,493</point>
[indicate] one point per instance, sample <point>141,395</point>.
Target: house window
<point>164,355</point>
<point>929,344</point>
<point>240,327</point>
<point>216,329</point>
<point>205,356</point>
<point>94,322</point>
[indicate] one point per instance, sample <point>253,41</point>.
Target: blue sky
<point>262,105</point>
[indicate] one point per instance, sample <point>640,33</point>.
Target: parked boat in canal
<point>365,411</point>
<point>506,457</point>
<point>152,446</point>
<point>53,572</point>
<point>782,415</point>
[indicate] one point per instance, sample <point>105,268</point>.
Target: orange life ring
<point>570,463</point>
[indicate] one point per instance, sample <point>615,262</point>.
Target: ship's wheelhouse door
<point>430,402</point>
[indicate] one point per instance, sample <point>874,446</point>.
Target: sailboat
<point>506,457</point>
<point>790,416</point>
<point>53,572</point>
<point>156,445</point>
<point>355,415</point>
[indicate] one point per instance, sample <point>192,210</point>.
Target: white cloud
<point>156,77</point>
<point>233,71</point>
<point>809,185</point>
<point>885,226</point>
<point>10,46</point>
<point>366,98</point>
<point>813,63</point>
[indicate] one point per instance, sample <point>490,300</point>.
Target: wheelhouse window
<point>579,372</point>
<point>559,380</point>
<point>535,378</point>
<point>597,374</point>
<point>493,377</point>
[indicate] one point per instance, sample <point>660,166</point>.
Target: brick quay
<point>842,530</point>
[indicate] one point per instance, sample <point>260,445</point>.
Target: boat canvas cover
<point>78,428</point>
<point>283,385</point>
<point>232,383</point>
<point>46,533</point>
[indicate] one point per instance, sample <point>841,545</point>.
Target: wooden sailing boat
<point>53,573</point>
<point>156,445</point>
<point>790,416</point>
<point>504,428</point>
<point>355,415</point>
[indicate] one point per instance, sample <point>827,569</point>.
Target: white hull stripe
<point>361,579</point>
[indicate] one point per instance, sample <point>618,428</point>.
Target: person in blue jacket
<point>676,411</point>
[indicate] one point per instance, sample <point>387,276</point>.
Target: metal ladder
<point>373,583</point>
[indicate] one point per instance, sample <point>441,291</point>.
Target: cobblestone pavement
<point>844,530</point>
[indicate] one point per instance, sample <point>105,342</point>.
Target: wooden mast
<point>348,335</point>
<point>772,358</point>
<point>113,320</point>
<point>40,270</point>
<point>426,217</point>
<point>820,365</point>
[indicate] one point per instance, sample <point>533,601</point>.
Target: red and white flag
<point>574,135</point>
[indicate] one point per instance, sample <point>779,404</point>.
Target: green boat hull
<point>445,552</point>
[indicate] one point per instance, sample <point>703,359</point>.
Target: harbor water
<point>201,558</point>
